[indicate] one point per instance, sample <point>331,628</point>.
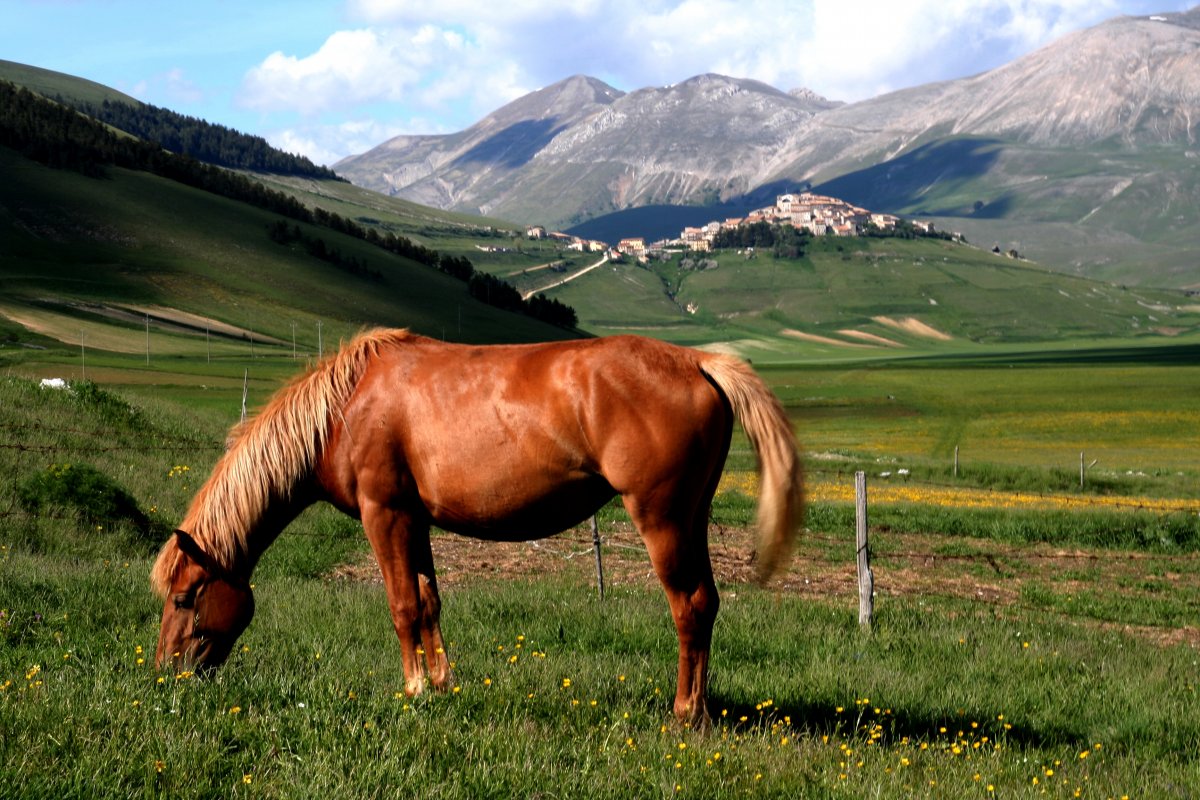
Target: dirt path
<point>535,268</point>
<point>571,277</point>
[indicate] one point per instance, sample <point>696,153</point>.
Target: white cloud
<point>510,14</point>
<point>423,67</point>
<point>917,41</point>
<point>350,68</point>
<point>849,49</point>
<point>456,60</point>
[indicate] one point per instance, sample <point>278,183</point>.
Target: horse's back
<point>524,440</point>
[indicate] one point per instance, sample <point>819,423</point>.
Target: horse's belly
<point>504,511</point>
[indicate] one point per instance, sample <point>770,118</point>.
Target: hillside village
<point>817,214</point>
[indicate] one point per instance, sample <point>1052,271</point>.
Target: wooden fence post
<point>866,581</point>
<point>596,548</point>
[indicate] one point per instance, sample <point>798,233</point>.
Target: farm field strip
<point>826,490</point>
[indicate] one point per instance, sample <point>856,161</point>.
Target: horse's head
<point>207,608</point>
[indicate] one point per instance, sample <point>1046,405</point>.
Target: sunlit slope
<point>135,239</point>
<point>57,84</point>
<point>872,296</point>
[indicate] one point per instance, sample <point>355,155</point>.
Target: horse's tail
<point>781,495</point>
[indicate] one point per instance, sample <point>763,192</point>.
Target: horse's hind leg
<point>400,543</point>
<point>679,553</point>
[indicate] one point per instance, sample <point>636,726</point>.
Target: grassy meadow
<point>857,299</point>
<point>1031,638</point>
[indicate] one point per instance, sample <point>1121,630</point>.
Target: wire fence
<point>827,554</point>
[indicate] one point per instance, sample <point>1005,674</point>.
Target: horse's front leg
<point>399,543</point>
<point>431,613</point>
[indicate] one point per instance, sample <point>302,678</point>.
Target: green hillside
<point>858,298</point>
<point>493,245</point>
<point>115,246</point>
<point>56,84</point>
<point>1121,216</point>
<point>86,258</point>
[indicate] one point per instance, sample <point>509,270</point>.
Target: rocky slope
<point>708,137</point>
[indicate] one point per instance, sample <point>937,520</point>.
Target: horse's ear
<point>189,546</point>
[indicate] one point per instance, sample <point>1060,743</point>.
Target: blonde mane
<point>267,455</point>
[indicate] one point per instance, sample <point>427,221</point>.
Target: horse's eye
<point>181,601</point>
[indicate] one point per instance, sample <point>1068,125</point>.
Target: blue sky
<point>330,79</point>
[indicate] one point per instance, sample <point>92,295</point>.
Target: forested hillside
<point>203,141</point>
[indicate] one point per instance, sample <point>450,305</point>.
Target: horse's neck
<point>279,513</point>
<point>239,539</point>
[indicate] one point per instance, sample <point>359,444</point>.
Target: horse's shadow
<point>887,725</point>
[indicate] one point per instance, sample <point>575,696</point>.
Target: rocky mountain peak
<point>814,100</point>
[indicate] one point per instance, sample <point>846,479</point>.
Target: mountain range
<point>1081,155</point>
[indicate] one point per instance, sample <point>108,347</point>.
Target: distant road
<point>535,268</point>
<point>571,277</point>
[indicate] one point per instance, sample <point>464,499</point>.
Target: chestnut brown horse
<point>505,443</point>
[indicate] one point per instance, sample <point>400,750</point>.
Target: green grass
<point>1132,418</point>
<point>53,84</point>
<point>310,706</point>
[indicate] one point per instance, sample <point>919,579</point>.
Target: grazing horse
<point>502,442</point>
